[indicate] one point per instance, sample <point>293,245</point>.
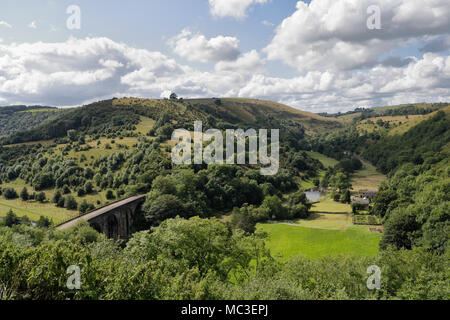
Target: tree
<point>43,222</point>
<point>399,229</point>
<point>173,96</point>
<point>56,196</point>
<point>41,197</point>
<point>24,194</point>
<point>110,195</point>
<point>162,208</point>
<point>10,193</point>
<point>243,219</point>
<point>11,219</point>
<point>70,203</point>
<point>72,134</point>
<point>88,187</point>
<point>275,207</point>
<point>84,207</point>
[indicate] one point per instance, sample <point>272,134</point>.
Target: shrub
<point>41,197</point>
<point>110,195</point>
<point>24,194</point>
<point>70,203</point>
<point>10,193</point>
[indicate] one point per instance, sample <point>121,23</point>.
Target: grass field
<point>34,210</point>
<point>326,204</point>
<point>327,221</point>
<point>326,161</point>
<point>368,178</point>
<point>289,240</point>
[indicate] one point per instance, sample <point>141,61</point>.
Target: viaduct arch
<point>114,220</point>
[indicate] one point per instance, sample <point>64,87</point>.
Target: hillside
<point>220,113</point>
<point>15,118</point>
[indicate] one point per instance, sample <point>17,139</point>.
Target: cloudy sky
<point>317,55</point>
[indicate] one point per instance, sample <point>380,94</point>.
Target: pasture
<point>290,240</point>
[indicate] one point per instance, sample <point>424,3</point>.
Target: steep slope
<point>15,118</point>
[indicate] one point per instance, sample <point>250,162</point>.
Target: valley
<point>372,177</point>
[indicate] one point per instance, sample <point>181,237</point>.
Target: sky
<point>317,55</point>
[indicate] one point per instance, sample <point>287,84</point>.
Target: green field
<point>326,161</point>
<point>326,204</point>
<point>290,240</point>
<point>368,178</point>
<point>34,210</point>
<point>327,221</point>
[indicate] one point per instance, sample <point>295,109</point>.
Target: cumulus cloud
<point>232,8</point>
<point>333,35</point>
<point>79,71</point>
<point>248,63</point>
<point>196,47</point>
<point>5,24</point>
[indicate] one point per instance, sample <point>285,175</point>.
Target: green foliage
<point>9,193</point>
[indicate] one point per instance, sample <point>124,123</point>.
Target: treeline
<point>100,118</point>
<point>200,259</point>
<point>421,143</point>
<point>14,118</point>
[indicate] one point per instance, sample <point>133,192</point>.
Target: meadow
<point>290,240</point>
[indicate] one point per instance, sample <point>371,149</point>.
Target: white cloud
<point>196,47</point>
<point>333,35</point>
<point>5,24</point>
<point>248,63</point>
<point>78,71</point>
<point>32,25</point>
<point>232,8</point>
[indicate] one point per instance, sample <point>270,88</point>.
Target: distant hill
<point>102,116</point>
<point>16,118</point>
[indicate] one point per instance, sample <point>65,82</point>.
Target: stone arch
<point>96,227</point>
<point>113,227</point>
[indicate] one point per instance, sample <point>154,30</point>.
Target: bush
<point>110,195</point>
<point>70,203</point>
<point>11,219</point>
<point>10,193</point>
<point>24,194</point>
<point>41,197</point>
<point>43,222</point>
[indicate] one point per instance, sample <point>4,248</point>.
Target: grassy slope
<point>368,178</point>
<point>246,110</point>
<point>289,240</point>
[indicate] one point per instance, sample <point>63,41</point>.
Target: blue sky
<point>321,58</point>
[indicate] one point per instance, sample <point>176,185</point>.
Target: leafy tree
<point>10,193</point>
<point>110,195</point>
<point>70,203</point>
<point>41,197</point>
<point>43,222</point>
<point>24,194</point>
<point>161,208</point>
<point>11,219</point>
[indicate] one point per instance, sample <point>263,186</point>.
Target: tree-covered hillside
<point>15,118</point>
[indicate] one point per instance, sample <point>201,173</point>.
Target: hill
<point>14,118</point>
<point>221,113</point>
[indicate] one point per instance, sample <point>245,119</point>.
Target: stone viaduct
<point>113,220</point>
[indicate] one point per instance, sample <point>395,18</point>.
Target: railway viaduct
<point>113,220</point>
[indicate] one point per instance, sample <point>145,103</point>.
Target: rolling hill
<point>98,117</point>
